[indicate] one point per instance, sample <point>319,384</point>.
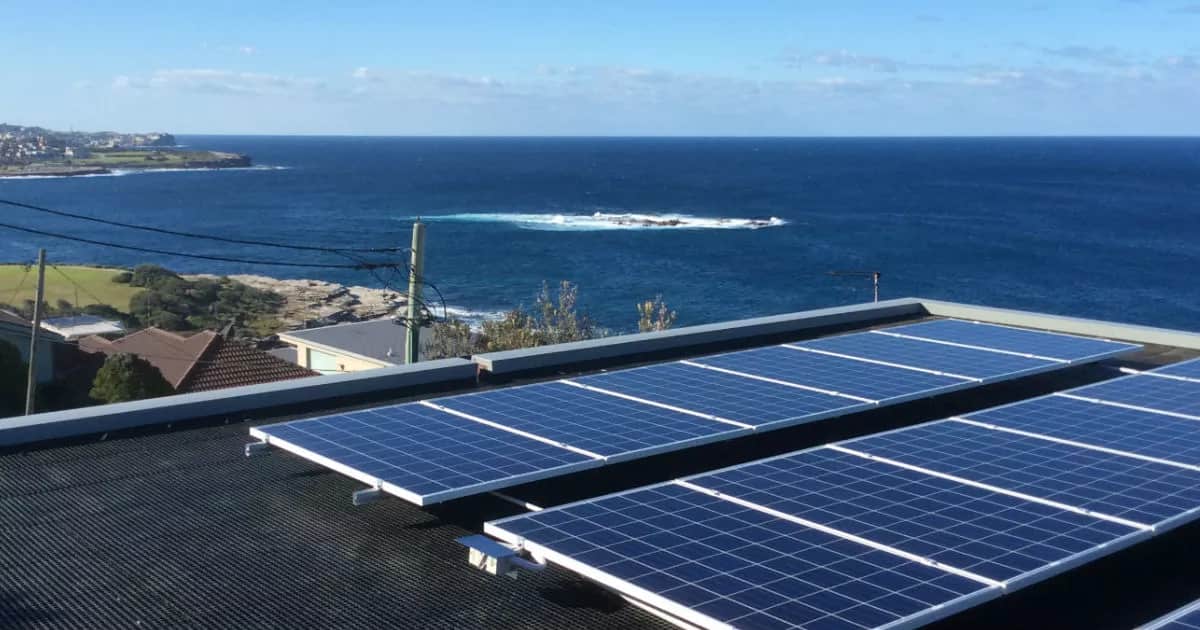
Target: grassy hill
<point>17,284</point>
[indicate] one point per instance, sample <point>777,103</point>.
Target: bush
<point>125,277</point>
<point>654,315</point>
<point>125,377</point>
<point>150,276</point>
<point>175,303</point>
<point>551,320</point>
<point>450,338</point>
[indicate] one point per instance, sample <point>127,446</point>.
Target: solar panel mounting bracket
<point>256,448</point>
<point>496,558</point>
<point>366,496</point>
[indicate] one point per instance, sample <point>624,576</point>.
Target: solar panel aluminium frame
<point>732,433</point>
<point>1172,617</point>
<point>413,497</point>
<point>987,593</point>
<point>676,610</point>
<point>894,329</point>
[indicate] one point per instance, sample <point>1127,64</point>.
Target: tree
<point>13,376</point>
<point>450,338</point>
<point>126,377</point>
<point>553,319</point>
<point>654,315</point>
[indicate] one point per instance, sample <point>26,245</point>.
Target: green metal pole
<point>412,348</point>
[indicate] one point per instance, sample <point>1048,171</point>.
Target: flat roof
<point>174,526</point>
<point>381,340</point>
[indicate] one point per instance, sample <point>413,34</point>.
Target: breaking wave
<point>473,318</point>
<point>612,221</point>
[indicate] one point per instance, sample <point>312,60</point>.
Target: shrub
<point>125,377</point>
<point>654,315</point>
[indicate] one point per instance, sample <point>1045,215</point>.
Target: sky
<point>611,67</point>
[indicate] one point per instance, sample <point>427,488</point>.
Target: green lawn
<point>95,284</point>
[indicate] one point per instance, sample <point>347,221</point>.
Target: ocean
<point>721,228</point>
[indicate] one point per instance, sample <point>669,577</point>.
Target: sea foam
<point>612,221</point>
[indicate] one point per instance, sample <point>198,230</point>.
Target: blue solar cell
<point>423,450</point>
<point>1186,618</point>
<point>1036,342</point>
<point>1134,489</point>
<point>1129,430</point>
<point>970,362</point>
<point>732,397</point>
<point>1186,369</point>
<point>867,380</point>
<point>737,565</point>
<point>592,421</point>
<point>1150,392</point>
<point>990,534</point>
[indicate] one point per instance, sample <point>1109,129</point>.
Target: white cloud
<point>247,50</point>
<point>219,82</point>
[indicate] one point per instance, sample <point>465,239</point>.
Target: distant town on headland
<point>41,152</point>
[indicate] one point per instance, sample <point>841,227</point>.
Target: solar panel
<point>856,378</point>
<point>1019,340</point>
<point>1125,430</point>
<point>411,450</point>
<point>954,360</point>
<point>1125,488</point>
<point>753,402</point>
<point>984,532</point>
<point>422,454</point>
<point>1186,618</point>
<point>609,426</point>
<point>712,562</point>
<point>1147,392</point>
<point>1185,369</point>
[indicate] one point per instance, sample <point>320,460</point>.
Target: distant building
<point>200,362</point>
<point>352,347</point>
<point>75,327</point>
<point>16,330</point>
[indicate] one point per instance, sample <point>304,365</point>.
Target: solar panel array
<point>1186,618</point>
<point>895,529</point>
<point>440,449</point>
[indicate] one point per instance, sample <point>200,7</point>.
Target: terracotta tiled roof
<point>230,364</point>
<point>199,362</point>
<point>173,354</point>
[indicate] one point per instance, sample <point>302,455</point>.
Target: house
<point>352,347</point>
<point>198,362</point>
<point>15,330</point>
<point>154,503</point>
<point>78,326</point>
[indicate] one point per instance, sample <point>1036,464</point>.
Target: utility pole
<point>39,296</point>
<point>415,278</point>
<point>874,275</point>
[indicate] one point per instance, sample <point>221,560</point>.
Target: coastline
<point>211,160</point>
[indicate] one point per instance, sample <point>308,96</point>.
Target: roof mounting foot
<point>493,557</point>
<point>255,448</point>
<point>363,497</point>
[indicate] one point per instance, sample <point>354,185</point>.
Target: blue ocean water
<point>1106,228</point>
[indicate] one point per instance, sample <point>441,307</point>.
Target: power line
<point>221,239</point>
<point>246,261</point>
<point>77,286</point>
<point>20,284</point>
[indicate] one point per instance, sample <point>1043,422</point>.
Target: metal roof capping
<point>444,448</point>
<point>896,529</point>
